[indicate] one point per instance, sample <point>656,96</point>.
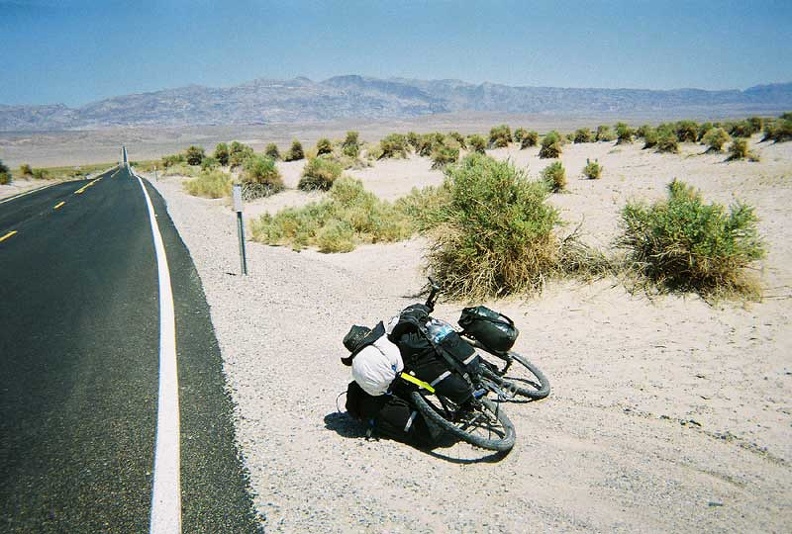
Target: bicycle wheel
<point>517,377</point>
<point>485,425</point>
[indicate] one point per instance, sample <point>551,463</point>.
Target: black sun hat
<point>359,337</point>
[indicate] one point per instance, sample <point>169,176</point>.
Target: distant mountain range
<point>357,97</point>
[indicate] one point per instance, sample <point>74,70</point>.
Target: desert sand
<point>667,413</point>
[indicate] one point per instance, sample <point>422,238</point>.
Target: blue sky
<point>78,51</point>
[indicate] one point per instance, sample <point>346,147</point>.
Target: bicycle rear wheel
<point>484,425</point>
<point>518,377</point>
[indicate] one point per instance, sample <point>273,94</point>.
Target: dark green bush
<point>261,177</point>
<point>667,140</point>
<point>554,176</point>
<point>624,134</point>
<point>687,131</point>
<point>194,155</point>
<point>477,144</point>
<point>319,173</point>
<point>239,153</point>
<point>295,153</point>
<point>715,139</point>
<point>529,139</point>
<point>686,245</point>
<point>500,136</point>
<point>498,238</point>
<point>351,145</point>
<point>779,130</point>
<point>209,163</point>
<point>583,135</point>
<point>324,146</point>
<point>428,142</point>
<point>393,146</point>
<point>272,151</point>
<point>25,169</point>
<point>445,153</point>
<point>519,133</point>
<point>551,145</point>
<point>221,153</point>
<point>604,133</point>
<point>5,174</point>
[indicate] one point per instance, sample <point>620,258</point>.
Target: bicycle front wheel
<point>518,377</point>
<point>484,424</point>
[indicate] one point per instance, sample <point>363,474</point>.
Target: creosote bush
<point>592,170</point>
<point>272,152</point>
<point>530,139</point>
<point>624,134</point>
<point>221,153</point>
<point>604,133</point>
<point>683,244</point>
<point>319,173</point>
<point>324,146</point>
<point>583,135</point>
<point>739,150</point>
<point>445,153</point>
<point>498,236</point>
<point>295,153</point>
<point>194,155</point>
<point>500,136</point>
<point>715,138</point>
<point>477,144</point>
<point>260,177</point>
<point>667,141</point>
<point>26,170</point>
<point>551,145</point>
<point>5,174</point>
<point>554,176</point>
<point>239,153</point>
<point>351,145</point>
<point>394,146</point>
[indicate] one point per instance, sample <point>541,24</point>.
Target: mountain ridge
<point>352,96</point>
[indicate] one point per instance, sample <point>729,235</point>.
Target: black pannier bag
<point>492,329</point>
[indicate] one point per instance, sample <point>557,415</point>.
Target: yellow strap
<point>418,382</point>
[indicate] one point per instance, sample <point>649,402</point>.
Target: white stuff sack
<point>376,366</point>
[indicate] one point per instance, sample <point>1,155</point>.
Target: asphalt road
<point>79,352</point>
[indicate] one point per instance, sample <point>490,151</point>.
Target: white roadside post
<point>237,196</point>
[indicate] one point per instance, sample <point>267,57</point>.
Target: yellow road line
<point>9,234</point>
<point>59,204</point>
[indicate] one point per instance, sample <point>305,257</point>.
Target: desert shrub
<point>554,176</point>
<point>445,153</point>
<point>477,144</point>
<point>739,150</point>
<point>459,138</point>
<point>642,129</point>
<point>551,145</point>
<point>169,161</point>
<point>498,238</point>
<point>530,139</point>
<point>604,133</point>
<point>715,139</point>
<point>687,131</point>
<point>40,174</point>
<point>349,216</point>
<point>209,184</point>
<point>324,146</point>
<point>5,174</point>
<point>519,133</point>
<point>221,153</point>
<point>650,137</point>
<point>684,244</point>
<point>393,146</point>
<point>272,151</point>
<point>583,135</point>
<point>779,130</point>
<point>209,163</point>
<point>592,170</point>
<point>194,155</point>
<point>295,153</point>
<point>351,145</point>
<point>25,169</point>
<point>413,139</point>
<point>745,128</point>
<point>624,134</point>
<point>500,136</point>
<point>319,173</point>
<point>428,142</point>
<point>260,177</point>
<point>239,153</point>
<point>427,207</point>
<point>667,140</point>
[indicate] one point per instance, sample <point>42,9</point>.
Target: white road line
<point>166,492</point>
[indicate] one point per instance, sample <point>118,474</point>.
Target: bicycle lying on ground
<point>481,421</point>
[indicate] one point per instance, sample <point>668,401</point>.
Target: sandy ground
<point>667,414</point>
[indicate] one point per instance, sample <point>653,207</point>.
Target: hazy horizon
<point>79,51</point>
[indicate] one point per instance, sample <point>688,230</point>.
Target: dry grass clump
<point>682,244</point>
<point>349,216</point>
<point>498,236</point>
<point>210,184</point>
